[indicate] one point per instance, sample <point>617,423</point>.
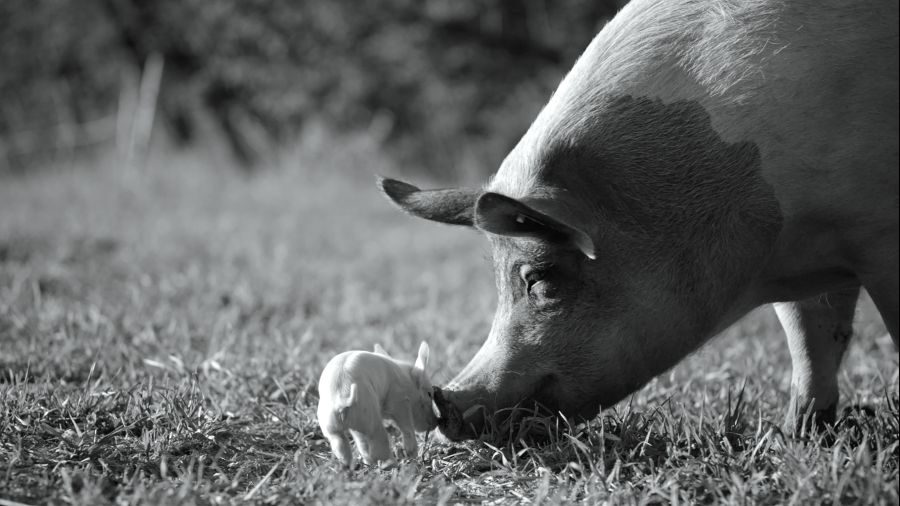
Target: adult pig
<point>701,158</point>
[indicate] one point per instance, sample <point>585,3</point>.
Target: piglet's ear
<point>378,350</point>
<point>422,359</point>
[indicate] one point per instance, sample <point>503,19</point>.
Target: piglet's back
<point>332,384</point>
<point>372,373</point>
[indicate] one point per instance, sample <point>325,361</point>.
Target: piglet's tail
<point>346,403</point>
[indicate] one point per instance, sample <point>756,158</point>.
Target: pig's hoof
<point>815,422</point>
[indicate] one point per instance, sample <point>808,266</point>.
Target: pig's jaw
<point>477,414</point>
<point>453,423</point>
<point>469,421</point>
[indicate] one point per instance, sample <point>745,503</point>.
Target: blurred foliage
<point>443,82</point>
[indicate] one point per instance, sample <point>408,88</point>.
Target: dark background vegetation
<point>443,83</point>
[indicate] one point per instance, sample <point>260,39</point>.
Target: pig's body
<point>359,389</point>
<point>702,158</point>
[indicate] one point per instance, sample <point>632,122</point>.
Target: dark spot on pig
<point>668,182</point>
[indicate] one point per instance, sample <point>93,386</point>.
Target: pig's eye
<point>531,276</point>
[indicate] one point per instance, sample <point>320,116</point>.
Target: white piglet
<point>358,389</point>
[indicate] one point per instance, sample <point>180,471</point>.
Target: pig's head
<point>579,323</point>
<point>615,255</point>
<point>550,341</point>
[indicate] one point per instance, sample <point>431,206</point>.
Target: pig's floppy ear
<point>502,215</point>
<point>454,206</point>
<point>422,359</point>
<point>378,350</point>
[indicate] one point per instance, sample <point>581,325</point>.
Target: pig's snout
<point>455,424</point>
<point>449,416</point>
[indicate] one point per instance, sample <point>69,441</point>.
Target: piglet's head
<point>424,418</point>
<point>422,394</point>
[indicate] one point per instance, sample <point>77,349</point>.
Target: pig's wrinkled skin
<point>358,389</point>
<point>702,158</point>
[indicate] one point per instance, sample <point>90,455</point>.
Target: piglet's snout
<point>444,409</point>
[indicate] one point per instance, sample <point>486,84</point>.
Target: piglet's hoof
<point>450,420</point>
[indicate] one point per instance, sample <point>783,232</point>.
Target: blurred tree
<point>426,77</point>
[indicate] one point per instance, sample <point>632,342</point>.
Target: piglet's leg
<point>340,446</point>
<point>363,445</point>
<point>373,446</point>
<point>380,444</point>
<point>405,424</point>
<point>409,443</point>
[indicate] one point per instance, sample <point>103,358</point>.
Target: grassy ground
<point>161,336</point>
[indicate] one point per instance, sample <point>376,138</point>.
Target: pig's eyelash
<point>537,265</point>
<point>543,266</point>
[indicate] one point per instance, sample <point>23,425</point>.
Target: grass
<point>161,335</point>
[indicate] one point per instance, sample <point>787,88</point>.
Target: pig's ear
<point>378,350</point>
<point>422,359</point>
<point>502,215</point>
<point>454,206</point>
